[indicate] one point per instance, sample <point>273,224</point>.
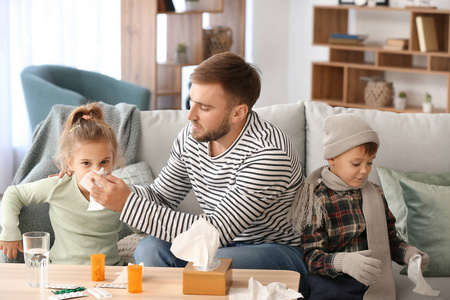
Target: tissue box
<point>214,282</point>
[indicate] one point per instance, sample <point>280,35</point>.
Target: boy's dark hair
<point>370,148</point>
<point>241,81</point>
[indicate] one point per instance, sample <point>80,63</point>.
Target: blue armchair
<point>47,85</point>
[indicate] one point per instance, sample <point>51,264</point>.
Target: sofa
<point>47,85</point>
<point>411,145</point>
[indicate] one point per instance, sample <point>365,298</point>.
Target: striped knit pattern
<point>246,192</point>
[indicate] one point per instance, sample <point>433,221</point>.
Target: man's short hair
<point>241,81</point>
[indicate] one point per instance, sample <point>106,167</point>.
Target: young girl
<point>87,143</point>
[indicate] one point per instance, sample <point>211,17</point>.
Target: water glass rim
<point>36,234</point>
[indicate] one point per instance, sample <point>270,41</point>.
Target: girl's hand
<point>10,248</point>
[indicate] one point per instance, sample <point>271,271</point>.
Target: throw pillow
<point>390,182</point>
<point>428,223</point>
<point>127,245</point>
<point>135,174</point>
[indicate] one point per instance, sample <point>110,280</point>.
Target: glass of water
<point>36,247</point>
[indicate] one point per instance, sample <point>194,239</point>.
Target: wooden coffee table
<point>157,283</point>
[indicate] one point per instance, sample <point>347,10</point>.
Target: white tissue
<point>415,275</point>
<point>198,245</point>
<point>257,291</point>
<point>93,205</point>
<point>123,275</point>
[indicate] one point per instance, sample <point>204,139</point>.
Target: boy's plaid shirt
<point>343,230</point>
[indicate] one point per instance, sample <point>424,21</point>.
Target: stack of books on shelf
<point>396,44</point>
<point>347,39</point>
<point>426,32</point>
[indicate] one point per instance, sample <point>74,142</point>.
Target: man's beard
<point>214,135</point>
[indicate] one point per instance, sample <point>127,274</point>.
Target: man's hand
<point>113,192</point>
<point>10,248</point>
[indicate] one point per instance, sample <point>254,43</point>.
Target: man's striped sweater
<point>246,192</point>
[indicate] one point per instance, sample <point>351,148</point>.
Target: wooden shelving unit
<point>139,43</point>
<point>337,83</point>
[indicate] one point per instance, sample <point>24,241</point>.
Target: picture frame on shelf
<point>352,2</point>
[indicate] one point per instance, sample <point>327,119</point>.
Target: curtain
<point>6,151</point>
<point>84,34</point>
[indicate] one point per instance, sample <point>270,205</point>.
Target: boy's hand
<point>359,265</point>
<point>411,251</point>
<point>10,248</point>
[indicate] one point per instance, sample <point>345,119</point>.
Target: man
<point>244,172</point>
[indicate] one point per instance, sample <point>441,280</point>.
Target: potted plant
<point>181,55</point>
<point>192,4</point>
<point>400,100</point>
<point>427,105</point>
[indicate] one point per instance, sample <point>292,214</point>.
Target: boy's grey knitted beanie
<point>343,132</point>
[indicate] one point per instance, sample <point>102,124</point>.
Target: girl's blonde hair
<point>86,124</point>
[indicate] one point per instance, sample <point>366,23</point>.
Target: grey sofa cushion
<point>404,287</point>
<point>290,118</point>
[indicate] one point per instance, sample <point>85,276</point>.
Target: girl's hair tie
<point>73,128</point>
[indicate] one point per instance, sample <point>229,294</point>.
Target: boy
<point>349,235</point>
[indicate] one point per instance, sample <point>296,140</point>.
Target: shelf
<point>382,8</point>
<point>188,12</point>
<point>337,81</point>
<point>378,48</point>
<point>409,109</point>
<point>174,64</point>
<point>168,93</point>
<point>140,28</point>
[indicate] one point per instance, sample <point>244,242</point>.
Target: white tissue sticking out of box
<point>415,275</point>
<point>198,245</point>
<point>84,182</point>
<point>123,275</point>
<point>257,291</point>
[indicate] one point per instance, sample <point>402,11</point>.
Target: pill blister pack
<point>99,293</point>
<point>61,286</point>
<point>112,285</point>
<point>68,296</point>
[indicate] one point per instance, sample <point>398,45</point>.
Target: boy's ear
<point>331,161</point>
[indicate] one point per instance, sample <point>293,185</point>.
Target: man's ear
<point>239,113</point>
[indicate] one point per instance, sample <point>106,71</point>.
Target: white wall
<point>281,45</point>
<point>270,48</point>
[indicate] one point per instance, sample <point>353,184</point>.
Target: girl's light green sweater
<point>78,232</point>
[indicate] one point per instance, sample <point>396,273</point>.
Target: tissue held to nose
<point>84,182</point>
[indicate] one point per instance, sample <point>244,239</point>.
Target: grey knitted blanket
<point>38,163</point>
